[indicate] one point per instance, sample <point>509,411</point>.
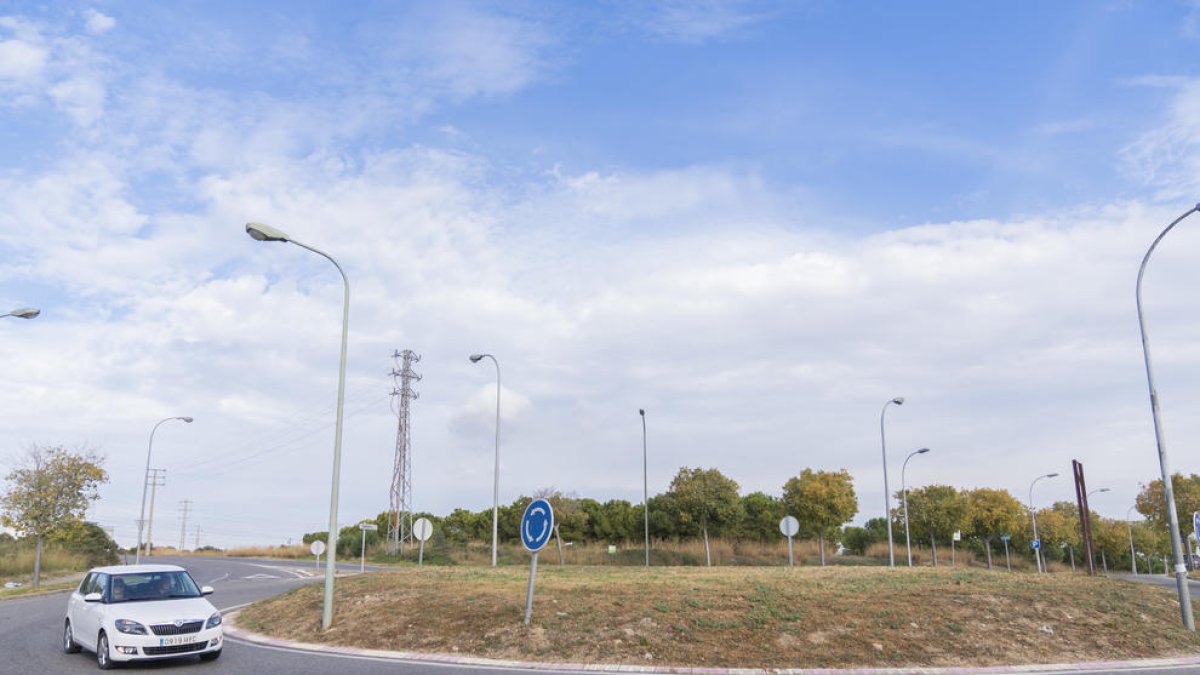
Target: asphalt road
<point>31,628</point>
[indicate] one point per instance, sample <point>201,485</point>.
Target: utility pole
<point>400,494</point>
<point>1085,519</point>
<point>183,506</point>
<point>157,477</point>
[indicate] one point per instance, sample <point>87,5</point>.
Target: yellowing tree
<point>51,489</point>
<point>935,513</point>
<point>822,501</point>
<point>992,513</point>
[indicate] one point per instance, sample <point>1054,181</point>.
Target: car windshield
<point>152,586</point>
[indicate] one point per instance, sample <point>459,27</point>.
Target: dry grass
<point>287,552</point>
<point>743,617</point>
<point>16,563</point>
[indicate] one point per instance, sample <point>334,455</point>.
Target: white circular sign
<point>789,526</point>
<point>318,547</point>
<point>422,529</point>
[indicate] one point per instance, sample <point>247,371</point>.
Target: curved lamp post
<point>904,492</point>
<point>23,313</point>
<point>137,555</point>
<point>261,232</point>
<point>645,487</point>
<point>1181,580</point>
<point>1132,550</point>
<point>887,497</point>
<point>1033,514</point>
<point>476,358</point>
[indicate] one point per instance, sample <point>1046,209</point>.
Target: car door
<point>75,603</point>
<point>87,626</point>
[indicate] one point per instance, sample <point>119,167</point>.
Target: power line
<point>400,494</point>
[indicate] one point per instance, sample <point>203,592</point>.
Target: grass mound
<point>741,617</point>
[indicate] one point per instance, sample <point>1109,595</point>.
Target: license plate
<point>172,641</point>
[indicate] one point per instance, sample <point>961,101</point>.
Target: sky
<point>757,221</point>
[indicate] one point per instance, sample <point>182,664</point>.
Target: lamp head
<point>26,312</point>
<point>186,419</point>
<point>899,400</point>
<point>922,451</point>
<point>261,232</point>
<point>641,412</point>
<point>1051,475</point>
<point>475,358</point>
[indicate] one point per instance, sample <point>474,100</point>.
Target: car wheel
<point>69,644</point>
<point>210,656</point>
<point>102,659</point>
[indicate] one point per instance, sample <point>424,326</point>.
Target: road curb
<point>232,630</point>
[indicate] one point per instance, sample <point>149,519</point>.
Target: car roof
<point>137,569</point>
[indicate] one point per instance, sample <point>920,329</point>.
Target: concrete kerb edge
<point>238,633</point>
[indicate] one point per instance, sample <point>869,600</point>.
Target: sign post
<point>957,536</point>
<point>317,548</point>
<point>365,527</point>
<point>789,526</point>
<point>422,529</point>
<point>1007,560</point>
<point>537,526</point>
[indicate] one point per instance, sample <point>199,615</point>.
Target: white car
<point>141,612</point>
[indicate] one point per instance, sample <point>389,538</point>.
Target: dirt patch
<point>739,617</point>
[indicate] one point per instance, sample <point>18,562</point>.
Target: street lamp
<point>137,555</point>
<point>887,497</point>
<point>23,313</point>
<point>1132,550</point>
<point>904,492</point>
<point>1032,512</point>
<point>261,232</point>
<point>1092,492</point>
<point>645,487</point>
<point>476,358</point>
<point>1181,577</point>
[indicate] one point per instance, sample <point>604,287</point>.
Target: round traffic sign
<point>537,525</point>
<point>422,529</point>
<point>789,526</point>
<point>318,547</point>
<point>1036,544</point>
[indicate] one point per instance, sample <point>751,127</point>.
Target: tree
<point>935,513</point>
<point>51,489</point>
<point>1152,503</point>
<point>991,513</point>
<point>762,513</point>
<point>822,501</point>
<point>87,538</point>
<point>705,497</point>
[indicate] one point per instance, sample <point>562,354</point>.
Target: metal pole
<point>904,495</point>
<point>362,562</point>
<point>791,560</point>
<point>1132,551</point>
<point>529,592</point>
<point>1007,559</point>
<point>475,358</point>
<point>1181,580</point>
<point>887,497</point>
<point>1033,513</point>
<point>137,556</point>
<point>646,488</point>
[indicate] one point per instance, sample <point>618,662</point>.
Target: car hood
<point>163,611</point>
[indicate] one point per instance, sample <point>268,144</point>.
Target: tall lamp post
<point>260,232</point>
<point>1102,557</point>
<point>137,555</point>
<point>23,313</point>
<point>1181,578</point>
<point>887,497</point>
<point>475,358</point>
<point>1132,550</point>
<point>1033,514</point>
<point>645,487</point>
<point>904,493</point>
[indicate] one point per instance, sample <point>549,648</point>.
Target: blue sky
<point>758,221</point>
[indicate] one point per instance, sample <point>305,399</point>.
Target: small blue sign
<point>1006,538</point>
<point>537,525</point>
<point>1036,544</point>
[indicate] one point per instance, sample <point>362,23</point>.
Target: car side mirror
<point>93,597</point>
<point>206,590</point>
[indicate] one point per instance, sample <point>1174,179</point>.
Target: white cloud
<point>694,22</point>
<point>97,23</point>
<point>1167,157</point>
<point>21,60</point>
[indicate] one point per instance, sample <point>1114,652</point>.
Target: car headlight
<point>213,621</point>
<point>130,627</point>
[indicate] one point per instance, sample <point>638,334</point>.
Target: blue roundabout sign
<point>537,525</point>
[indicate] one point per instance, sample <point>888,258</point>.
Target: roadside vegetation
<point>739,616</point>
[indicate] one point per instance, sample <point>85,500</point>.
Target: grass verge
<point>741,617</point>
